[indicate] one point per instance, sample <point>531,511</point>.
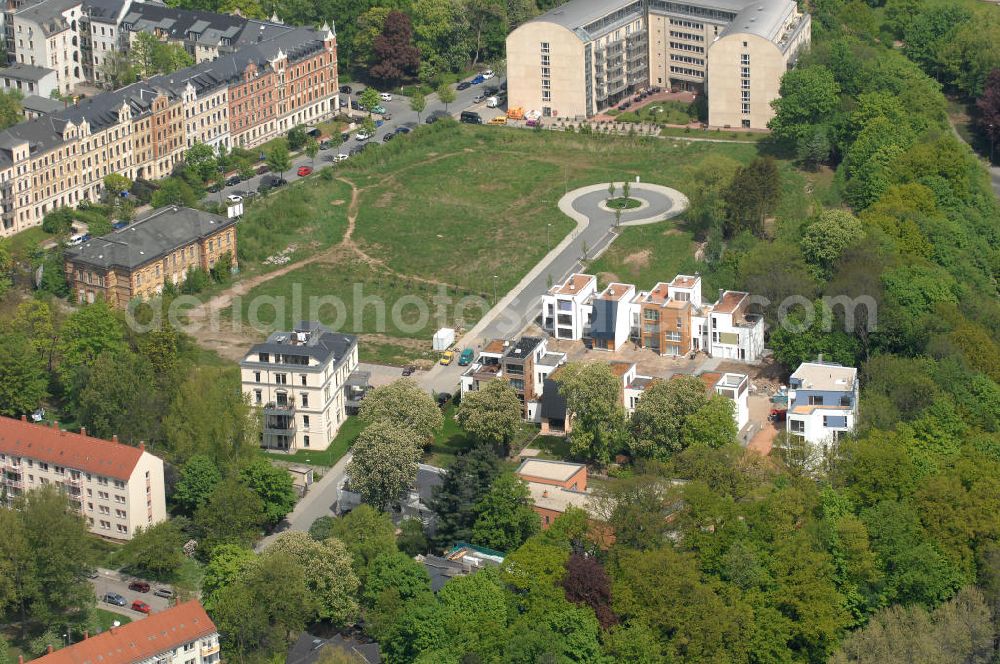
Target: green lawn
<point>22,244</point>
<point>105,619</point>
<point>349,430</point>
<point>667,112</point>
<point>715,134</point>
<point>643,255</point>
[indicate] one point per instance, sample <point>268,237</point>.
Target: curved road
<point>595,230</point>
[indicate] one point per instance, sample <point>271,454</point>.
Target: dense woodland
<point>886,549</point>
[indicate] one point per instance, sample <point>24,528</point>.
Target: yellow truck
<point>448,357</point>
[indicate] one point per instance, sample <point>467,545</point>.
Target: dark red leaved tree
<point>586,582</point>
<point>989,108</point>
<point>394,57</point>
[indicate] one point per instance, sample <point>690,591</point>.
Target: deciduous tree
<point>587,583</point>
<point>273,485</point>
<point>86,334</point>
<point>394,57</point>
<point>808,98</point>
<point>155,552</point>
<point>418,103</point>
<point>404,404</point>
<point>753,194</point>
<point>25,382</point>
<point>367,533</point>
<point>659,417</point>
<point>233,514</point>
<point>446,94</point>
<point>328,573</point>
<point>278,160</point>
<point>504,518</point>
<point>593,406</point>
<point>468,479</point>
<point>384,464</point>
<point>492,415</point>
<point>989,108</point>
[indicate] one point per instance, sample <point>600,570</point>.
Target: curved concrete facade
<point>526,53</point>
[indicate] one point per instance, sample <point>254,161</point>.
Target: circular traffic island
<point>622,203</point>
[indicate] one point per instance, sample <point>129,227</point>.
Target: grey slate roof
<point>150,237</point>
<point>322,344</point>
<point>42,105</point>
<point>104,11</point>
<point>307,649</point>
<point>48,14</point>
<point>25,72</point>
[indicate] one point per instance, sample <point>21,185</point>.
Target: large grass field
<point>451,206</point>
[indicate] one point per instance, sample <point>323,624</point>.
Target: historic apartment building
<point>117,488</point>
<point>141,131</point>
<point>302,381</point>
<point>156,249</point>
<point>181,634</point>
<point>587,56</point>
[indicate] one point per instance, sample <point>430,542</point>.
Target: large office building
<point>587,56</point>
<point>117,488</point>
<point>304,381</point>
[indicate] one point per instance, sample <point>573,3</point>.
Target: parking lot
<point>108,581</point>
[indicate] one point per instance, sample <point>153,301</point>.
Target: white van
<point>488,74</point>
<point>492,102</point>
<point>76,240</point>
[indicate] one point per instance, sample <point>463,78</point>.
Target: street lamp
<point>548,227</point>
<point>494,290</point>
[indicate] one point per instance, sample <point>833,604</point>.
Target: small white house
<point>822,402</point>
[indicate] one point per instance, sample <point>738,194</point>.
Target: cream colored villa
<point>586,56</point>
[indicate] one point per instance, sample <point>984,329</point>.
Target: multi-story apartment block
<point>586,56</point>
<point>157,249</point>
<point>182,634</point>
<point>142,130</point>
<point>301,382</point>
<point>525,363</point>
<point>117,488</point>
<point>670,319</point>
<point>822,402</point>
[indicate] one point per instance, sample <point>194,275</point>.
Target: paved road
<point>521,305</point>
<point>399,110</point>
<point>109,581</point>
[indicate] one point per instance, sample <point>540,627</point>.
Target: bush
<point>58,221</point>
<point>223,269</point>
<point>327,174</point>
<point>99,226</point>
<point>197,280</point>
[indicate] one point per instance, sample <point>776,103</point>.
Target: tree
<point>278,160</point>
<point>25,382</point>
<point>412,541</point>
<point>446,94</point>
<point>58,221</point>
<point>418,103</point>
<point>491,415</point>
<point>297,138</point>
<point>826,239</point>
<point>328,573</point>
<point>399,572</point>
<point>273,485</point>
<point>19,582</point>
<point>587,583</point>
<point>210,416</point>
<point>808,97</point>
<point>369,99</point>
<point>155,552</point>
<point>814,147</point>
<point>174,191</point>
<point>989,108</point>
<point>637,509</point>
<point>201,160</point>
<point>141,53</point>
<point>594,409</point>
<point>168,58</point>
<point>86,334</point>
<point>227,563</point>
<point>116,70</point>
<point>468,479</point>
<point>713,425</point>
<point>312,149</point>
<point>753,194</point>
<point>404,404</point>
<point>115,185</point>
<point>6,267</point>
<point>658,422</point>
<point>369,25</point>
<point>384,464</point>
<point>394,56</point>
<point>504,518</point>
<point>120,396</point>
<point>233,514</point>
<point>367,533</point>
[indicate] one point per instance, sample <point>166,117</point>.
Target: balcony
<point>209,650</point>
<point>279,407</point>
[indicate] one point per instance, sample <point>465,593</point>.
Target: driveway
<point>109,581</point>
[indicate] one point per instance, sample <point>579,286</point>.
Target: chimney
<point>24,418</point>
<point>86,635</point>
<point>83,431</point>
<point>142,446</point>
<point>721,293</point>
<point>20,659</point>
<point>49,651</point>
<point>545,493</point>
<point>114,438</point>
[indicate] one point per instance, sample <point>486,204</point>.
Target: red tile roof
<point>71,450</point>
<point>139,640</point>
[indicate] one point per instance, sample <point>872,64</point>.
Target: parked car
<point>385,96</point>
<point>304,171</point>
<point>448,357</point>
<point>263,168</point>
<point>490,90</point>
<point>141,607</point>
<point>114,598</point>
<point>499,120</point>
<point>378,108</point>
<point>346,89</point>
<point>362,136</point>
<point>488,74</point>
<point>165,593</point>
<point>214,187</point>
<point>409,369</point>
<point>340,157</point>
<point>233,181</point>
<point>492,102</point>
<point>325,145</point>
<point>118,225</point>
<point>388,137</point>
<point>139,586</point>
<point>436,115</point>
<point>471,117</point>
<point>406,128</point>
<point>479,98</point>
<point>464,85</point>
<point>465,359</point>
<point>357,149</point>
<point>233,198</point>
<point>479,80</point>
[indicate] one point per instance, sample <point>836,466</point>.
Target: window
<point>256,376</point>
<point>545,47</point>
<point>263,357</point>
<point>796,426</point>
<point>815,399</point>
<point>845,401</point>
<point>746,108</point>
<point>281,379</point>
<point>305,441</point>
<point>257,397</point>
<point>302,379</point>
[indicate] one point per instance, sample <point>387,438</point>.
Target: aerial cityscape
<point>479,332</point>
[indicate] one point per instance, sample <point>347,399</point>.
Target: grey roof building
<point>36,107</point>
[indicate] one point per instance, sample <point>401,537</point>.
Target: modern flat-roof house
<point>117,488</point>
<point>822,402</point>
<point>299,381</point>
<point>156,249</point>
<point>669,319</point>
<point>182,634</point>
<point>525,363</point>
<point>555,486</point>
<point>585,56</point>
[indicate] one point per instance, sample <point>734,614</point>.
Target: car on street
<point>479,80</point>
<point>464,85</point>
<point>138,586</point>
<point>409,369</point>
<point>165,593</point>
<point>465,359</point>
<point>325,145</point>
<point>385,96</point>
<point>378,108</point>
<point>388,137</point>
<point>141,607</point>
<point>233,181</point>
<point>362,136</point>
<point>304,171</point>
<point>232,198</point>
<point>118,225</point>
<point>405,128</point>
<point>346,89</point>
<point>498,120</point>
<point>114,598</point>
<point>490,90</point>
<point>214,187</point>
<point>479,98</point>
<point>448,357</point>
<point>437,115</point>
<point>488,74</point>
<point>341,157</point>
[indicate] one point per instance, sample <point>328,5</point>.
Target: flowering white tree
<point>384,463</point>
